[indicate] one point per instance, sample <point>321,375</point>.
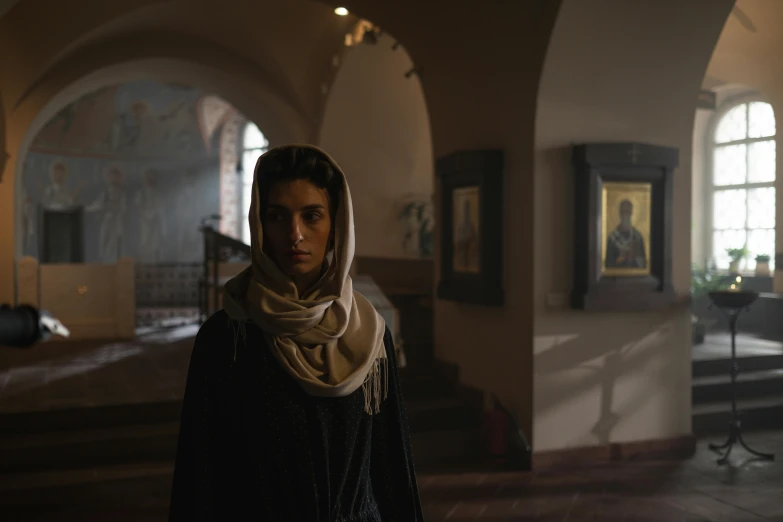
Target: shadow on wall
<point>569,367</point>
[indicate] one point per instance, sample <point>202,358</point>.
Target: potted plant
<point>762,265</point>
<point>416,213</point>
<point>736,255</point>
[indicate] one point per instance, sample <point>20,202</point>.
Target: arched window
<point>254,144</point>
<point>743,184</point>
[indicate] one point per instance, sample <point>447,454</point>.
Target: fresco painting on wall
<point>140,119</point>
<point>133,157</point>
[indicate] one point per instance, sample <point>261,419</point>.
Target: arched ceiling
<point>296,64</point>
<point>749,49</point>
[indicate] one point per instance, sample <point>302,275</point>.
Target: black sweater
<point>254,446</point>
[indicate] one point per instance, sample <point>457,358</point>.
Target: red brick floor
<point>688,491</point>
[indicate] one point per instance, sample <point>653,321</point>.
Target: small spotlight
<point>341,11</point>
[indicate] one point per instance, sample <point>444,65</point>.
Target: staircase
<point>445,416</point>
<point>445,420</point>
<point>759,384</point>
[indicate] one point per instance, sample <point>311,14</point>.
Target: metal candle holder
<point>732,304</point>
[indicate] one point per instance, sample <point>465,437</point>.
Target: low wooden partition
<point>225,272</point>
<point>399,276</point>
<point>94,301</point>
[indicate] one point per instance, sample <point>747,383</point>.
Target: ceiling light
<point>341,11</point>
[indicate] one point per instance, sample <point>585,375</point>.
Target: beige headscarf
<point>330,340</point>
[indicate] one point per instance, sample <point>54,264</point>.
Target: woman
<point>292,408</point>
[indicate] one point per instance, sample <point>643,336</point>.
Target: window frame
<point>242,222</point>
<point>710,188</point>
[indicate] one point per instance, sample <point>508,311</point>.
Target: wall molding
<point>674,448</point>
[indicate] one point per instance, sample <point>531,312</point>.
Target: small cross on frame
<point>634,153</point>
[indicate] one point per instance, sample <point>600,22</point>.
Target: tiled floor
<point>695,490</point>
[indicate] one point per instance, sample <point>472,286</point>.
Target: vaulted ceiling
<point>749,49</point>
<point>292,46</point>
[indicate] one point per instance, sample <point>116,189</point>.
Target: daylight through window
<point>254,144</point>
<point>743,184</point>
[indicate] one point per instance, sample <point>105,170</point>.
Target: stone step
<point>88,418</point>
<point>87,448</point>
<point>752,355</point>
<point>750,385</point>
<point>75,438</point>
<point>748,363</point>
<point>420,381</point>
<point>444,413</point>
<point>763,413</point>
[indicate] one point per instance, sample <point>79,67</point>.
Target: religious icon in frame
<point>471,227</point>
<point>466,212</point>
<point>623,226</point>
<point>626,209</point>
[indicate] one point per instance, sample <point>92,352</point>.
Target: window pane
<point>253,138</point>
<point>722,240</point>
<point>761,242</point>
<point>761,161</point>
<point>249,159</point>
<point>761,120</point>
<point>733,125</point>
<point>728,209</point>
<point>247,194</point>
<point>730,165</point>
<point>761,208</point>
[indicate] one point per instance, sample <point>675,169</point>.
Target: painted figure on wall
<point>625,245</point>
<point>112,202</point>
<point>190,247</point>
<point>56,195</point>
<point>466,230</point>
<point>152,218</point>
<point>78,126</point>
<point>28,221</point>
<point>174,127</point>
<point>130,130</point>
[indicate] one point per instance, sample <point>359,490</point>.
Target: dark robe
<point>254,446</point>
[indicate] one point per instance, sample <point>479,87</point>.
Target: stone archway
<point>3,149</point>
<point>281,122</point>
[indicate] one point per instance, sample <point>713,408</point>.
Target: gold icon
<point>81,290</point>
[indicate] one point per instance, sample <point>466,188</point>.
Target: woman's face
<point>298,229</point>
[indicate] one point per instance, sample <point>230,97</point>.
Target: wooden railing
<point>519,454</point>
<point>218,248</point>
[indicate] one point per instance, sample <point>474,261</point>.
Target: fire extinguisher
<point>496,428</point>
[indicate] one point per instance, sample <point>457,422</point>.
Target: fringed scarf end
<point>376,387</point>
<point>240,330</point>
